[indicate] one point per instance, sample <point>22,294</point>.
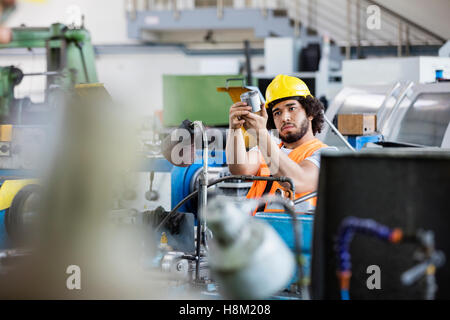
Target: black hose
<point>239,177</point>
<point>195,193</point>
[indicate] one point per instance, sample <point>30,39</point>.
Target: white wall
<point>430,14</point>
<point>105,19</point>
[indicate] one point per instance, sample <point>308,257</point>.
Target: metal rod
<point>220,9</point>
<point>338,133</point>
<point>47,73</point>
<point>407,41</point>
<point>264,9</point>
<point>305,197</point>
<point>248,62</point>
<point>176,13</point>
<point>400,39</point>
<point>296,20</point>
<point>204,175</point>
<point>349,31</point>
<point>197,252</point>
<point>358,29</point>
<point>201,214</point>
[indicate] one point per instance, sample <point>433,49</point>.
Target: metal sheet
<point>409,113</point>
<point>426,120</point>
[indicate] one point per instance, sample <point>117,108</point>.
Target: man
<point>297,116</point>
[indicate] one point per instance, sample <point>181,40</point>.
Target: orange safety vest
<point>298,155</point>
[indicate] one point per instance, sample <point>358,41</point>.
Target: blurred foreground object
<point>247,256</point>
<point>5,35</point>
<point>73,228</point>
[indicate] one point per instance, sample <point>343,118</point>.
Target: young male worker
<point>297,116</point>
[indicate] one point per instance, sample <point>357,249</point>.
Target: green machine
<point>195,97</point>
<point>70,60</point>
<point>24,125</point>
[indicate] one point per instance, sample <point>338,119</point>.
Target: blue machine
<point>181,186</point>
<point>358,142</point>
<point>4,239</point>
<point>181,178</point>
<point>282,223</point>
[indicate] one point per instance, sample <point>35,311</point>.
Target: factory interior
<point>212,150</point>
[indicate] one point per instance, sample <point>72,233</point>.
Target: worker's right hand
<point>237,111</point>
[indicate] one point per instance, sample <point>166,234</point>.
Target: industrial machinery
<point>407,114</point>
<point>70,60</point>
<point>25,126</point>
<point>206,242</point>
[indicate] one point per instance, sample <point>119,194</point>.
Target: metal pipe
<point>204,174</point>
<point>296,19</point>
<point>201,214</point>
<point>349,31</point>
<point>407,41</point>
<point>176,13</point>
<point>248,62</point>
<point>48,73</point>
<point>264,9</point>
<point>305,197</point>
<point>220,9</point>
<point>400,39</point>
<point>338,133</point>
<point>358,29</point>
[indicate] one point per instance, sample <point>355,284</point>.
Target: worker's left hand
<point>256,122</point>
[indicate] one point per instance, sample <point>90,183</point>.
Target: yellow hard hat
<point>285,86</point>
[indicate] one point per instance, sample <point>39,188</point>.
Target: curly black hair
<point>313,107</point>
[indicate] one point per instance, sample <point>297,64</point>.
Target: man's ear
<point>310,118</point>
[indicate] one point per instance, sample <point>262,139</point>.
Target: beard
<point>297,135</point>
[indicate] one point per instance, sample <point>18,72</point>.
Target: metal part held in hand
<point>251,98</point>
<point>338,133</point>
